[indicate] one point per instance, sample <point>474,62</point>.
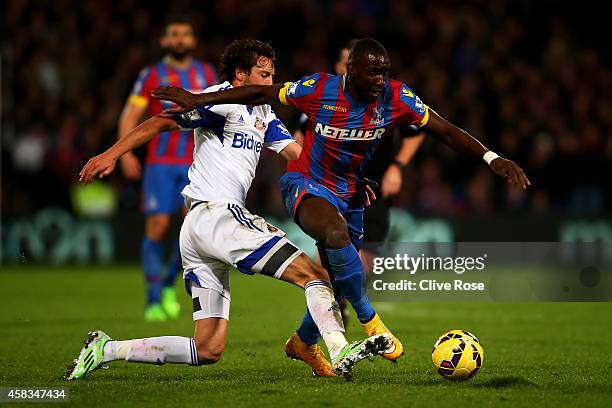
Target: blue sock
<point>348,271</point>
<point>308,331</point>
<point>151,255</point>
<point>175,266</point>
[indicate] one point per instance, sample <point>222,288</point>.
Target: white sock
<point>326,314</point>
<point>335,342</point>
<point>153,350</point>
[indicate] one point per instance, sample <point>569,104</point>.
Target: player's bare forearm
<point>455,138</point>
<point>103,164</point>
<point>461,141</point>
<point>410,145</point>
<point>392,180</point>
<point>131,116</point>
<point>141,134</point>
<point>245,95</point>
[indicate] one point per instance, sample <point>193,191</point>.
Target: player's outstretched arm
<point>103,164</point>
<point>243,95</point>
<point>461,141</point>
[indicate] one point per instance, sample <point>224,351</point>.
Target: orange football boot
<point>376,326</point>
<point>296,349</point>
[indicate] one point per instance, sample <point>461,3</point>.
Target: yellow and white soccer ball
<point>457,355</point>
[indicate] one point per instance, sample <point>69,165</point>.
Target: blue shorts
<point>295,187</point>
<point>161,186</point>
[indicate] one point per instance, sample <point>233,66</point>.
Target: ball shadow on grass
<point>506,382</point>
<point>493,383</point>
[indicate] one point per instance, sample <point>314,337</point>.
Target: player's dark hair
<point>177,18</point>
<point>348,45</point>
<point>243,54</point>
<point>366,46</point>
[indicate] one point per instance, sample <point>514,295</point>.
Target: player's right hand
<point>391,182</point>
<point>510,171</point>
<point>185,100</point>
<point>130,166</point>
<point>102,165</point>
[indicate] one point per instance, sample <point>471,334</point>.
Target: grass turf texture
<point>536,354</point>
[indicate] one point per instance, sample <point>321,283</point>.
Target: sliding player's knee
<point>209,353</point>
<point>336,236</point>
<point>301,271</point>
<point>317,272</point>
<point>311,272</point>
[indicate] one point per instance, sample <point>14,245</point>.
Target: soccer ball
<point>457,355</point>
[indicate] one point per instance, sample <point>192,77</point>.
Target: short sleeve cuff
<point>425,119</point>
<point>279,146</point>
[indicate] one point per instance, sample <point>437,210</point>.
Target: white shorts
<point>218,236</point>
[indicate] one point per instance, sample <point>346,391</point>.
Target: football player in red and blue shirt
<point>384,168</point>
<point>168,158</point>
<point>348,116</point>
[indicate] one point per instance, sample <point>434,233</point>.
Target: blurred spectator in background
<point>169,156</point>
<point>531,79</point>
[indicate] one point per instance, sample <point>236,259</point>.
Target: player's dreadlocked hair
<point>243,54</point>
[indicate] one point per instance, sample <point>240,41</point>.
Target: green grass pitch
<point>536,354</point>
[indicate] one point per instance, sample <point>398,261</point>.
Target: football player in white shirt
<point>218,233</point>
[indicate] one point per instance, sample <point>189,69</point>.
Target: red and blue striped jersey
<point>174,147</point>
<point>341,133</point>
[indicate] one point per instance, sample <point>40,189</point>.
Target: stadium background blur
<point>530,79</point>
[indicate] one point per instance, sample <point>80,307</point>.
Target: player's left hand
<point>511,172</point>
<point>369,196</point>
<point>392,181</point>
<point>102,165</point>
<point>185,100</point>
